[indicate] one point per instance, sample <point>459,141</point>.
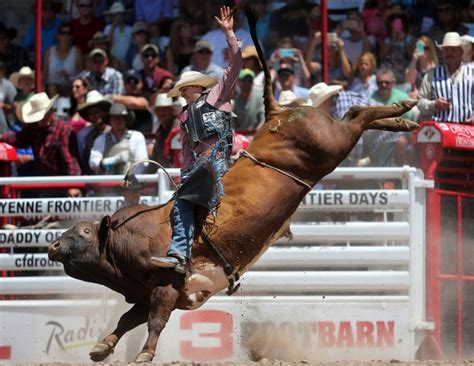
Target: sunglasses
<point>149,54</point>
<point>205,52</point>
<point>98,60</point>
<point>384,82</point>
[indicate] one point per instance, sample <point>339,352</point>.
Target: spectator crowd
<point>108,67</point>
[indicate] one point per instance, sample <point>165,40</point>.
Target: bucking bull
<point>294,149</point>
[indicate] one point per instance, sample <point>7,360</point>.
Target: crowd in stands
<point>108,66</point>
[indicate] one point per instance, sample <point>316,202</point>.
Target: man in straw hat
<point>53,141</point>
<point>207,143</point>
<point>167,111</point>
<point>114,151</point>
<point>95,110</point>
<point>446,91</point>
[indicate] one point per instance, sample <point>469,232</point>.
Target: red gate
<point>447,157</point>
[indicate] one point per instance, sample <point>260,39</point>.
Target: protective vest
<point>113,148</point>
<point>205,121</point>
<point>459,93</point>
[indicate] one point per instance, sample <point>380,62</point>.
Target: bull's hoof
<point>101,351</point>
<point>407,103</point>
<point>144,357</point>
<point>406,124</point>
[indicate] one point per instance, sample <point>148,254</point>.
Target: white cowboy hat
<point>192,78</point>
<point>320,93</point>
<point>93,97</point>
<point>451,39</point>
<point>288,97</point>
<point>24,72</point>
<point>162,100</point>
<point>35,108</point>
<point>116,8</point>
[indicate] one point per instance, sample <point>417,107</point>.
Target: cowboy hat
<point>24,72</point>
<point>451,39</point>
<point>320,93</point>
<point>162,100</point>
<point>195,78</point>
<point>116,8</point>
<point>35,108</point>
<point>287,97</point>
<point>119,109</point>
<point>93,97</point>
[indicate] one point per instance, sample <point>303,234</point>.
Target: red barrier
<point>446,151</point>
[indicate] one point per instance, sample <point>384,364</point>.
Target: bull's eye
<point>87,231</point>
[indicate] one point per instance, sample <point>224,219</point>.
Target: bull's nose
<point>54,250</point>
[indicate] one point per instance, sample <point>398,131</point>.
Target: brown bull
<point>289,154</point>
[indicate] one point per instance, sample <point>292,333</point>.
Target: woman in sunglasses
<point>62,62</point>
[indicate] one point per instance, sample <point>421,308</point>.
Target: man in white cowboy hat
<point>24,82</point>
<point>167,112</point>
<point>7,97</point>
<point>53,141</point>
<point>95,110</point>
<point>446,92</point>
<point>206,142</point>
<point>114,151</point>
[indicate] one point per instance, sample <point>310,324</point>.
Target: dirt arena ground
<point>269,363</point>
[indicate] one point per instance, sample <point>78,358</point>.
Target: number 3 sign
<point>214,345</point>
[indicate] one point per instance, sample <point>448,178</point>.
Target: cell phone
<point>332,36</point>
<point>420,46</point>
<point>287,53</point>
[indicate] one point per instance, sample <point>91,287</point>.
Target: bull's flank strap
<point>229,270</point>
<point>259,162</point>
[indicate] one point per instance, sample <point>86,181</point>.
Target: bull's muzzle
<point>55,252</point>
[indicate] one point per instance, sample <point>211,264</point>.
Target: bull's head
<point>83,243</point>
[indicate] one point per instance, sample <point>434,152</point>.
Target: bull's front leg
<point>137,315</point>
<point>162,303</point>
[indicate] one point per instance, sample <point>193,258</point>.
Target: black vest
<point>205,121</point>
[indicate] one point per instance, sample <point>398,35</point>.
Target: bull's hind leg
<point>137,315</point>
<point>162,303</point>
<point>382,117</point>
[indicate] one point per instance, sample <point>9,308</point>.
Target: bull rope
<point>126,182</point>
<point>265,165</point>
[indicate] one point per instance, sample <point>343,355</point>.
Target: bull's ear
<point>104,230</point>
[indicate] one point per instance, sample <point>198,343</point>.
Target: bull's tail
<point>385,118</point>
<point>271,105</point>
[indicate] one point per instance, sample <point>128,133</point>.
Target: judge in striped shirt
<point>446,93</point>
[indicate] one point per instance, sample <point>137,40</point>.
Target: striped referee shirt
<point>457,88</point>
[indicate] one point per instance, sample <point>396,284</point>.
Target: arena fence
<point>350,285</point>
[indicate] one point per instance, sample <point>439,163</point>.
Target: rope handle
<point>131,169</point>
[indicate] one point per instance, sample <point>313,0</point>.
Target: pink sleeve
<point>220,95</point>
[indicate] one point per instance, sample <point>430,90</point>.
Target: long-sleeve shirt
<point>137,149</point>
<point>219,97</point>
<point>55,148</point>
<point>457,87</point>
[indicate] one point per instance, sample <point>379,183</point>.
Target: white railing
<point>364,262</point>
